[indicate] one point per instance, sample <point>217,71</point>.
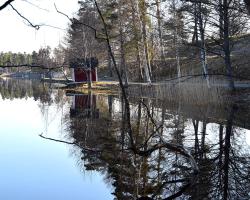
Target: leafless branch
<point>80,23</point>
<point>62,67</point>
<point>35,5</point>
<point>37,27</point>
<point>6,4</point>
<point>62,13</point>
<point>157,128</point>
<point>71,143</point>
<point>51,26</point>
<point>122,87</point>
<point>32,66</point>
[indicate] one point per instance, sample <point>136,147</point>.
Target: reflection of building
<point>84,106</point>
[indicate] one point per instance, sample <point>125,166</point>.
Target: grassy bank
<point>100,87</point>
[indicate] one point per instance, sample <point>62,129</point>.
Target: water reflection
<point>171,140</point>
<point>19,89</point>
<point>84,106</point>
<point>217,145</point>
<point>34,168</point>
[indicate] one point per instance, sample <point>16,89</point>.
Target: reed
<point>192,91</point>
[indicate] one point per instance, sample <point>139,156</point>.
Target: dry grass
<point>102,87</point>
<point>193,91</point>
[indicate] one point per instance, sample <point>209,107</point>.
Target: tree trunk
<point>203,45</point>
<point>123,61</point>
<point>221,150</point>
<point>147,67</point>
<point>247,2</point>
<point>196,140</point>
<point>203,138</point>
<point>137,46</point>
<point>226,45</point>
<point>227,149</point>
<point>221,19</point>
<point>109,65</point>
<point>159,21</point>
<point>195,34</point>
<point>176,41</point>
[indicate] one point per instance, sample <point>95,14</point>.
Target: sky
<point>17,36</point>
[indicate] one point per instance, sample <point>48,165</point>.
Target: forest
<point>168,117</point>
<point>155,40</point>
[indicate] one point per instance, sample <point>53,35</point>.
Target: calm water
<point>85,151</point>
<point>34,168</point>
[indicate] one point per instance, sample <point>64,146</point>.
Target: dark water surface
<point>85,150</point>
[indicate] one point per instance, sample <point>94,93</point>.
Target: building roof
<point>84,63</point>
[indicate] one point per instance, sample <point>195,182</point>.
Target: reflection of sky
<point>248,137</point>
<point>212,128</point>
<point>33,168</point>
<point>212,131</point>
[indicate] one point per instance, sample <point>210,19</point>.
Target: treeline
<point>152,38</point>
<point>10,58</point>
<point>44,57</point>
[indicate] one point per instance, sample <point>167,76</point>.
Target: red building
<point>84,70</point>
<point>83,75</point>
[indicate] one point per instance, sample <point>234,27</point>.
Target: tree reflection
<point>19,89</point>
<point>224,164</point>
<point>45,95</point>
<point>158,171</point>
<point>157,164</point>
<point>24,89</point>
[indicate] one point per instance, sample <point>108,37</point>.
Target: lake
<point>80,146</point>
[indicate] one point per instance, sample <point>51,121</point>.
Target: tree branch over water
<point>32,66</point>
<point>6,4</point>
<point>34,5</point>
<point>37,27</point>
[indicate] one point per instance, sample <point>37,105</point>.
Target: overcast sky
<point>17,36</point>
